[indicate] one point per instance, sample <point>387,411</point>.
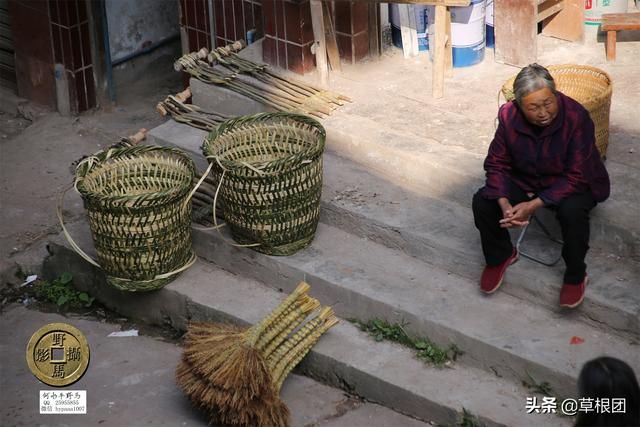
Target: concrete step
<point>345,357</point>
<point>442,233</point>
<point>455,172</point>
<point>418,146</point>
<point>365,280</point>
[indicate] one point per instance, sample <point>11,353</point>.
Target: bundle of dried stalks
<point>235,374</point>
<point>260,84</point>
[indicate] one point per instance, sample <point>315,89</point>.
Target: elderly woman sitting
<point>543,154</point>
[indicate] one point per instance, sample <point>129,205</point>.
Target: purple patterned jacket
<point>553,162</point>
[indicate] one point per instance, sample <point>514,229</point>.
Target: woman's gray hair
<point>531,78</point>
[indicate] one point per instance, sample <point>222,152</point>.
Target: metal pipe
<point>148,49</point>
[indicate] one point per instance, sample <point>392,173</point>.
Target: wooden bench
<point>614,22</point>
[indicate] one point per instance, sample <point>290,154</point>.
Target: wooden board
<point>408,30</point>
<point>568,24</point>
<point>516,31</point>
<point>330,38</point>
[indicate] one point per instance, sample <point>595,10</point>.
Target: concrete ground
<point>130,382</point>
<point>37,150</point>
<point>132,388</point>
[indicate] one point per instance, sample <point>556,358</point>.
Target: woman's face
<point>540,107</point>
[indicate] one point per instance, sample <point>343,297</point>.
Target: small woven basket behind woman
<point>269,167</point>
<point>137,201</point>
<point>590,86</point>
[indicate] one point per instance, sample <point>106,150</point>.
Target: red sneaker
<point>572,295</point>
<point>492,275</point>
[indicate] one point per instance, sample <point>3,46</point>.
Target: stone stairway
<point>397,242</point>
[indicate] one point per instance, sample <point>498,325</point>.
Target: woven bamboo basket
<point>139,209</point>
<point>269,170</point>
<point>590,86</point>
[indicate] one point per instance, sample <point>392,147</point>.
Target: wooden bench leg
<point>611,45</point>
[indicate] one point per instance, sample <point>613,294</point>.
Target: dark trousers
<point>572,213</point>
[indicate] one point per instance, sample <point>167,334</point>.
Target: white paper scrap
<point>30,279</point>
<point>129,333</point>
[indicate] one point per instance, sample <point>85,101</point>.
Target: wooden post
<point>330,38</point>
<point>611,45</point>
<point>375,39</point>
<point>439,54</point>
<point>320,45</point>
<point>448,47</point>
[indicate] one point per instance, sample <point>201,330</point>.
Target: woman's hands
<point>518,215</point>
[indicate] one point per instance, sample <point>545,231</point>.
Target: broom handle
<point>138,137</point>
<point>181,96</point>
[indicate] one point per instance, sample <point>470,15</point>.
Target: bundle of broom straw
<point>235,374</point>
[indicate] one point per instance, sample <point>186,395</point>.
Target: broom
<point>235,374</point>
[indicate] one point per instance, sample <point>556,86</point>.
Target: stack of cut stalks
<point>235,374</point>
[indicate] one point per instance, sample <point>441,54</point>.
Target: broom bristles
<point>235,374</point>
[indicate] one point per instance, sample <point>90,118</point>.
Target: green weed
<point>425,350</point>
<point>469,420</point>
<point>543,388</point>
<point>62,293</point>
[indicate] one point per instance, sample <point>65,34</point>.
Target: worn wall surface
<point>134,25</point>
<point>34,59</point>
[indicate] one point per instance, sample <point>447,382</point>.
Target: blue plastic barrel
<point>421,13</point>
<point>489,20</point>
<point>467,33</point>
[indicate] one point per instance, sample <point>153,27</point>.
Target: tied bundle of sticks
<point>259,83</point>
<point>189,114</point>
<point>235,374</point>
<point>174,106</point>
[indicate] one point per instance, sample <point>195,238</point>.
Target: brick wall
<point>285,25</point>
<point>34,59</point>
<point>352,29</point>
<point>288,35</point>
<point>231,20</point>
<point>49,32</point>
<point>72,48</point>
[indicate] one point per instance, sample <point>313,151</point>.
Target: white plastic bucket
<point>594,9</point>
<point>489,20</point>
<point>421,13</point>
<point>467,33</point>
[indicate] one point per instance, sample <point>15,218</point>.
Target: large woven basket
<point>590,86</point>
<point>137,201</point>
<point>269,167</point>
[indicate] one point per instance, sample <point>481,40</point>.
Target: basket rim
<point>312,152</point>
<point>507,86</point>
<point>91,163</point>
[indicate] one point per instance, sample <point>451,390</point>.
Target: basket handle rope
<point>192,259</point>
<point>217,226</point>
<point>90,260</point>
